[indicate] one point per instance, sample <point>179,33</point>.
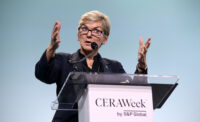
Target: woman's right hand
<point>55,40</point>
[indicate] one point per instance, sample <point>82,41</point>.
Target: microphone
<point>94,46</point>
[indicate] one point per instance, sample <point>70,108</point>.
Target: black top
<point>96,67</point>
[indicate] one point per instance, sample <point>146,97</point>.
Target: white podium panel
<point>116,103</point>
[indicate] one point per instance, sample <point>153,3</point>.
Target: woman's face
<point>91,32</point>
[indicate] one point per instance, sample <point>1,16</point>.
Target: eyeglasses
<point>94,32</point>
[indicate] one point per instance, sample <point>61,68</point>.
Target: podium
<point>114,97</point>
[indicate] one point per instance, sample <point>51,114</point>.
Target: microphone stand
<point>94,47</point>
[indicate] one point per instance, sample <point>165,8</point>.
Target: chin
<point>87,49</point>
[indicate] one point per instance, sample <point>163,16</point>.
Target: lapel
<point>77,67</point>
<point>105,65</point>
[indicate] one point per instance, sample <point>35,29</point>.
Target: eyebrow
<point>94,27</point>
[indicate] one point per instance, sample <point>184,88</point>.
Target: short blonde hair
<point>95,16</point>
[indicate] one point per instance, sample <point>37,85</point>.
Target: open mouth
<point>88,42</point>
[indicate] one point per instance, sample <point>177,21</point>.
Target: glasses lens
<point>84,30</point>
<point>95,32</point>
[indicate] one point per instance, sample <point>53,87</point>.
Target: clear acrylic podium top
<point>76,83</point>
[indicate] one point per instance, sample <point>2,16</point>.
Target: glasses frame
<point>91,30</point>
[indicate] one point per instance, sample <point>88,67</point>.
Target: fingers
<point>144,47</point>
<point>143,50</point>
<point>55,36</point>
<point>57,26</point>
<point>141,42</point>
<point>148,42</point>
<point>140,46</point>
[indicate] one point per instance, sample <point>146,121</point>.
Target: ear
<point>78,36</point>
<point>105,38</point>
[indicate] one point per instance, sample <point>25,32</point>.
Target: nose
<point>89,33</point>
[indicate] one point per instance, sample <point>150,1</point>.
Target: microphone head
<point>94,45</point>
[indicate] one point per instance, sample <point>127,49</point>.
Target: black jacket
<point>57,70</point>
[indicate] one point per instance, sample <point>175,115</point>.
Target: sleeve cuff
<point>140,70</point>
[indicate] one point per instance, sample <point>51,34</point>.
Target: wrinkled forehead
<point>93,24</point>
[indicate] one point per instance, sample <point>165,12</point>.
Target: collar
<point>79,67</point>
<point>96,58</point>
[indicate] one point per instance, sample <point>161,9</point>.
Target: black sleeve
<point>47,72</point>
<point>117,67</point>
<point>121,69</point>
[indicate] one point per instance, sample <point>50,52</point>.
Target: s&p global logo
<point>120,102</point>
